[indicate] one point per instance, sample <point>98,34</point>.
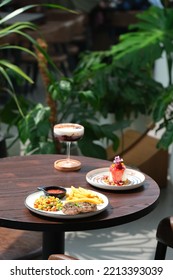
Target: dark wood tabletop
<point>21,175</point>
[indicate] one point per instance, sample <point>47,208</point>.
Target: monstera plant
<point>122,78</point>
<point>146,42</point>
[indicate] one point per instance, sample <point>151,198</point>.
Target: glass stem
<point>68,150</point>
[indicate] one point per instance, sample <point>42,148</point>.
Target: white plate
<point>29,203</point>
<point>95,178</point>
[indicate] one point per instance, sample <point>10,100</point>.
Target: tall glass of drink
<point>68,132</point>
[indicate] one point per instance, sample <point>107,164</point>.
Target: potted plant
<point>114,81</point>
<point>19,111</point>
<point>7,68</point>
<point>121,81</point>
<point>74,104</point>
<point>122,78</point>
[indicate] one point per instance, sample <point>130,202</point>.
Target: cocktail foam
<point>69,129</point>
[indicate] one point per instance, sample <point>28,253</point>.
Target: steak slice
<point>85,207</point>
<point>70,208</point>
<point>73,208</point>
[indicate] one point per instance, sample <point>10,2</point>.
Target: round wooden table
<point>21,175</point>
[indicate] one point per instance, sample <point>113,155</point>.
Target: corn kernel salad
<point>48,203</point>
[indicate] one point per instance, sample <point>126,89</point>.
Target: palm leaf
<point>28,7</point>
<point>16,27</point>
<point>16,69</point>
<point>4,2</point>
<point>6,76</point>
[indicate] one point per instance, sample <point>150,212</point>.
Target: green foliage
<point>74,104</point>
<point>122,77</point>
<point>152,36</point>
<point>163,113</point>
<point>147,39</point>
<point>117,81</point>
<point>32,121</point>
<point>35,129</point>
<point>80,105</point>
<point>116,86</point>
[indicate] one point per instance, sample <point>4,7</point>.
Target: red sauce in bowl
<point>56,191</point>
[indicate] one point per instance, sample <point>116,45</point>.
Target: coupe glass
<point>68,132</point>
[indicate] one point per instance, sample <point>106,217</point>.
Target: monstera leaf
<point>147,39</point>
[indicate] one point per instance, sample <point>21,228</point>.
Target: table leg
<point>53,243</point>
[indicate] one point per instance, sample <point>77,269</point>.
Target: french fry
<point>90,200</point>
<point>82,195</point>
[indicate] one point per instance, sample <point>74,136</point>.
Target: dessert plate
<point>29,203</point>
<point>96,179</point>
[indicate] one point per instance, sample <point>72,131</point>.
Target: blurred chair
<point>59,36</point>
<point>61,257</point>
<point>16,4</point>
<point>64,36</point>
<point>77,38</point>
<point>164,236</point>
<point>19,244</point>
<point>80,31</point>
<point>121,18</point>
<point>82,35</point>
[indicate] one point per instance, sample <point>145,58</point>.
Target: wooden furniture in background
<point>61,257</point>
<point>120,18</point>
<point>164,236</point>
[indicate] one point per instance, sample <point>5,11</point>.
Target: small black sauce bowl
<point>52,188</point>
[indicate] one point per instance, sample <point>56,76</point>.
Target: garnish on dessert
<point>117,173</point>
